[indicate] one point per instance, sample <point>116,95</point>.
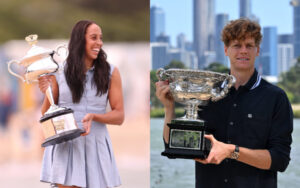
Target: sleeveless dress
<point>86,161</point>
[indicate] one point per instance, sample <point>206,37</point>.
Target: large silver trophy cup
<point>58,123</point>
<point>193,88</point>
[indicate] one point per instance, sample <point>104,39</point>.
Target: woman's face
<point>93,41</point>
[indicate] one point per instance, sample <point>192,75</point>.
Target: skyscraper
<point>163,38</point>
<point>157,22</point>
<point>245,9</point>
<point>285,39</point>
<point>296,18</point>
<point>285,57</point>
<point>285,52</point>
<point>268,59</point>
<point>159,55</point>
<point>221,21</point>
<point>181,39</point>
<point>204,28</point>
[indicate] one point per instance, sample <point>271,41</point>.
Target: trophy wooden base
<point>62,137</point>
<point>59,126</point>
<point>186,140</point>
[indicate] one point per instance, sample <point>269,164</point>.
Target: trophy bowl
<point>192,88</point>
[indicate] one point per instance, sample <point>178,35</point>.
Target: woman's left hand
<point>87,123</point>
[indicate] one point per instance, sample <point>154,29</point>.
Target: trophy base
<point>186,140</point>
<point>59,126</point>
<point>184,154</point>
<point>62,137</point>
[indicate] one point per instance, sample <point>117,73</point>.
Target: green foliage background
<point>290,83</point>
<point>120,20</point>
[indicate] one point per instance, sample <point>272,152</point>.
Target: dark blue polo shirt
<point>257,116</point>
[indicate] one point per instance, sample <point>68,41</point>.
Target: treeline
<point>120,20</point>
<point>125,7</point>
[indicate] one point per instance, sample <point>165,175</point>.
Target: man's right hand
<point>163,94</point>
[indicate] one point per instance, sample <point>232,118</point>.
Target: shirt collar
<point>92,69</point>
<point>254,81</point>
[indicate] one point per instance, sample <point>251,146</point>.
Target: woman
<point>85,85</point>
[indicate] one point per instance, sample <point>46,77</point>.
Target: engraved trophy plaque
<point>58,123</point>
<point>192,88</point>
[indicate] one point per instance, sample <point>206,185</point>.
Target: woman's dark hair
<point>75,66</point>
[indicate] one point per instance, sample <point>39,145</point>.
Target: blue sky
<point>178,13</point>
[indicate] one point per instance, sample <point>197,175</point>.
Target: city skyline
<point>179,15</point>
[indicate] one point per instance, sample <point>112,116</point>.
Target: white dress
<point>86,161</point>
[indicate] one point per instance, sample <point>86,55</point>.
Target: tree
<point>175,64</point>
<point>217,67</point>
<point>153,99</point>
<point>290,82</point>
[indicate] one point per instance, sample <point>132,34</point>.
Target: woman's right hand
<point>163,94</point>
<point>44,82</point>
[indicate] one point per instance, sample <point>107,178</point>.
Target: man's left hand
<point>218,152</point>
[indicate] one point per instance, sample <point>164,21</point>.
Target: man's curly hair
<point>241,29</point>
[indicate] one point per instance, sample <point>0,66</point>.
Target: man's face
<point>242,54</point>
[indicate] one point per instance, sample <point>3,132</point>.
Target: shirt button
<point>225,180</point>
<point>231,123</point>
<point>234,105</point>
<point>228,142</point>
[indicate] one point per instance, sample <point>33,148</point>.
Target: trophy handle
<point>159,74</point>
<point>13,73</point>
<point>217,94</point>
<point>162,75</point>
<point>62,46</point>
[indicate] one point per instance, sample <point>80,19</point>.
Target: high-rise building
<point>181,40</point>
<point>221,21</point>
<point>296,18</point>
<point>268,59</point>
<point>245,9</point>
<point>176,54</point>
<point>159,55</point>
<point>285,57</point>
<point>204,28</point>
<point>157,22</point>
<point>189,59</point>
<point>183,43</point>
<point>285,49</point>
<point>163,38</point>
<point>285,39</point>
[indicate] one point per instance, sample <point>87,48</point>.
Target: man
<point>253,124</point>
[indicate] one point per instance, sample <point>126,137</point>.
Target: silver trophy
<point>192,88</point>
<point>58,123</point>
